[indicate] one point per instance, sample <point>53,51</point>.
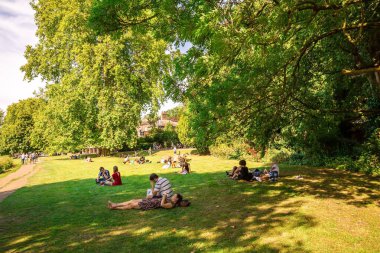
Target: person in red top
<point>116,178</point>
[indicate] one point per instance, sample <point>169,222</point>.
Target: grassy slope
<point>63,210</point>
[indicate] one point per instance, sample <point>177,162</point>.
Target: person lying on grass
<point>165,159</point>
<point>240,172</point>
<point>103,175</point>
<point>115,180</point>
<point>148,204</point>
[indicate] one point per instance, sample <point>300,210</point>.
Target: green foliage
<point>235,149</point>
<point>369,159</point>
<point>98,85</point>
<point>5,163</point>
<point>279,156</point>
<point>256,71</point>
<point>166,137</point>
<point>17,131</point>
<point>175,113</point>
<point>183,129</point>
<point>2,114</point>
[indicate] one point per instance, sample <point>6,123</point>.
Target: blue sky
<point>17,29</point>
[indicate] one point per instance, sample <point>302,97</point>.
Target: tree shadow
<point>354,188</point>
<point>225,215</point>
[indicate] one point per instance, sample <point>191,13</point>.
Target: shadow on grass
<point>354,188</point>
<point>225,215</point>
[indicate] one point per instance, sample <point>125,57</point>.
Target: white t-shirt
<point>275,168</point>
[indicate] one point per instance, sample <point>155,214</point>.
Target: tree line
<point>297,74</point>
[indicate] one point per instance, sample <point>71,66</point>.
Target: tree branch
<point>356,72</point>
<point>310,5</point>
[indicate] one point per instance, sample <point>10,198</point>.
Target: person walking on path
<point>22,158</point>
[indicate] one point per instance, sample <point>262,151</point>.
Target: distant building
<point>144,129</point>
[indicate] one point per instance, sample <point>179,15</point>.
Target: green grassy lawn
<point>63,210</point>
<point>16,166</point>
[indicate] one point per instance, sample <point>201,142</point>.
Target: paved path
<point>16,180</point>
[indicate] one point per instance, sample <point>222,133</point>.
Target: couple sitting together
<point>241,172</point>
<point>140,160</point>
<point>104,177</point>
<point>159,196</point>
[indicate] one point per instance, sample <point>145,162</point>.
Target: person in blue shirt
<point>103,175</point>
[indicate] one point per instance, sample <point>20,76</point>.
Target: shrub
<point>234,150</point>
<point>278,156</point>
<point>5,164</point>
<point>368,163</point>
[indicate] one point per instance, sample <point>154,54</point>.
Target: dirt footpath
<point>16,180</point>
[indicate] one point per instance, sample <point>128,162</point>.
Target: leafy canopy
<point>16,131</point>
<point>97,85</point>
<point>267,69</point>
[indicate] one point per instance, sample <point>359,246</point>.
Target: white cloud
<point>17,29</point>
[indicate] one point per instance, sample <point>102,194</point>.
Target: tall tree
<point>264,69</point>
<point>2,115</point>
<point>97,85</point>
<point>175,113</point>
<point>15,133</point>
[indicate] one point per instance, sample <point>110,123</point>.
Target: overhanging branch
<point>356,72</point>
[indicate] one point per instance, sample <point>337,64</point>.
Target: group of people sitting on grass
<point>139,160</point>
<point>75,156</point>
<point>176,161</point>
<point>242,172</point>
<point>104,177</point>
<point>160,195</point>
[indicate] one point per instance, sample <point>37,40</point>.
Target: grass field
<point>63,210</point>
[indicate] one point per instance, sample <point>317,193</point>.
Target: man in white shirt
<point>160,186</point>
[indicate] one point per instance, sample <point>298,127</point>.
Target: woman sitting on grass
<point>185,168</point>
<point>273,173</point>
<point>149,203</point>
<point>116,178</point>
<point>240,172</point>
